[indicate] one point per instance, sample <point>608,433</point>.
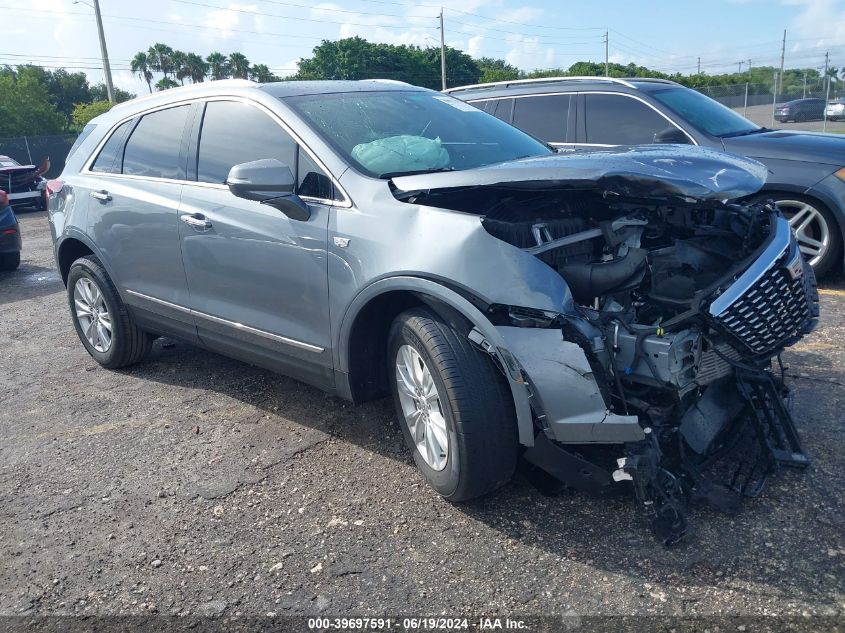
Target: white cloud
<point>222,21</point>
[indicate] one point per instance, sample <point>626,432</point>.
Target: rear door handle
<point>196,220</point>
<point>101,195</point>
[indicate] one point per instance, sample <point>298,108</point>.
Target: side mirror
<point>671,135</point>
<point>268,181</point>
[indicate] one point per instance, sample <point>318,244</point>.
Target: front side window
<point>620,120</point>
<point>110,157</point>
<point>704,113</point>
<point>544,116</point>
<point>234,133</point>
<point>154,148</point>
<point>383,134</point>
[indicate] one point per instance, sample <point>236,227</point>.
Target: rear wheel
<point>454,407</point>
<point>10,261</point>
<point>815,228</point>
<point>103,323</point>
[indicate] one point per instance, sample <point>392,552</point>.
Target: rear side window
<point>544,116</point>
<point>620,120</point>
<point>502,109</point>
<point>85,133</point>
<point>234,133</point>
<point>110,157</point>
<point>154,149</point>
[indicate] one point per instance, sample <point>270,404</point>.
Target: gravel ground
<point>194,484</point>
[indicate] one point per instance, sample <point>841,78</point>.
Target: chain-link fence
<point>739,96</point>
<point>29,150</point>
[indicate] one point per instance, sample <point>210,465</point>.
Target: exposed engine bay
<point>681,305</point>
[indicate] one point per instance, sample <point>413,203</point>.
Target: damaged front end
<point>659,371</point>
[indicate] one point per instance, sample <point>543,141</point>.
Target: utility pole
<point>774,98</point>
<point>827,90</point>
<point>699,65</point>
<point>606,53</point>
<point>782,54</point>
<point>442,52</point>
<point>104,51</point>
<point>740,66</point>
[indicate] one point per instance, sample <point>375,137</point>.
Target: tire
<point>472,398</point>
<point>89,290</point>
<point>825,227</point>
<point>10,261</point>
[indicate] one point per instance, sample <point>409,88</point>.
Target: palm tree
<point>197,67</point>
<point>218,65</point>
<point>141,66</point>
<point>166,82</point>
<point>160,58</point>
<point>179,60</point>
<point>239,65</point>
<point>262,74</point>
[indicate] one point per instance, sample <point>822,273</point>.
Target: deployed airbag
<point>403,153</point>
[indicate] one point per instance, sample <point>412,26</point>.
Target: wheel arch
<point>361,349</point>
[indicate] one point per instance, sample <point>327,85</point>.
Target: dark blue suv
<point>806,170</point>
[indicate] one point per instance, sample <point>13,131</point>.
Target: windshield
<point>386,134</point>
<point>702,112</point>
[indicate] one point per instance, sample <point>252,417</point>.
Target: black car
<point>800,110</point>
<point>10,235</point>
<point>806,170</point>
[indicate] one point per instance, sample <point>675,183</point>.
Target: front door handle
<point>196,220</point>
<point>102,195</point>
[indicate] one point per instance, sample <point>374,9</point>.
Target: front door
<point>257,280</point>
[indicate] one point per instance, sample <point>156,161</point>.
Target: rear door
<point>134,184</point>
<point>257,279</point>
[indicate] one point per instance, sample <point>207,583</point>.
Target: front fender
<point>438,292</point>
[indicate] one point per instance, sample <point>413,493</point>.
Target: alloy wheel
<point>422,407</point>
<point>810,228</point>
<point>92,313</point>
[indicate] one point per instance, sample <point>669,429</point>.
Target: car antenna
<point>27,150</point>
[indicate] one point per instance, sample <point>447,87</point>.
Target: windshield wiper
<point>392,174</point>
<point>746,132</point>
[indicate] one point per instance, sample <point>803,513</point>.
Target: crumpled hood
<point>659,171</point>
<point>813,147</point>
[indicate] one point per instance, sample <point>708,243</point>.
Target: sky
<point>666,35</point>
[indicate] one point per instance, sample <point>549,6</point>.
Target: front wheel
<point>815,228</point>
<point>104,325</point>
<point>454,407</point>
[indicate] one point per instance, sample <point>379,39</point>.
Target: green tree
<point>140,66</point>
<point>99,92</point>
<point>262,74</point>
<point>197,67</point>
<point>239,66</point>
<point>497,70</point>
<point>165,83</point>
<point>160,58</point>
<point>84,112</point>
<point>179,62</point>
<point>218,65</point>
<point>26,107</point>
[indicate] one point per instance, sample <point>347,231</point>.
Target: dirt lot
<point>197,484</point>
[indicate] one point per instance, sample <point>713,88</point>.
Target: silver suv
<point>607,316</point>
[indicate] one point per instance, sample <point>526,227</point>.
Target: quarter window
<point>544,117</point>
<point>620,120</point>
<point>110,157</point>
<point>311,180</point>
<point>154,148</point>
<point>234,133</point>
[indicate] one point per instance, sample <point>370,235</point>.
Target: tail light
<point>54,186</point>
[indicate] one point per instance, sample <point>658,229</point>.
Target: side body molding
<point>438,292</point>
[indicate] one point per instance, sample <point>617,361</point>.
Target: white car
<point>835,110</point>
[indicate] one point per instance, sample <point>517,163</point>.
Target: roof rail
<point>388,81</point>
<point>244,83</point>
<point>654,80</point>
<point>516,82</point>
